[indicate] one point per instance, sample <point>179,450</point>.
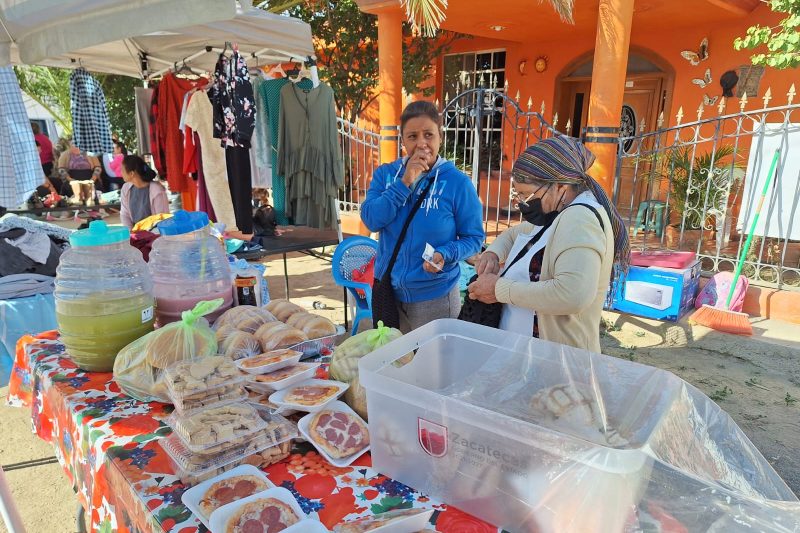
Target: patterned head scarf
<point>563,159</point>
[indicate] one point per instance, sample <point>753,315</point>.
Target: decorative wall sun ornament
<point>696,57</point>
<point>541,64</point>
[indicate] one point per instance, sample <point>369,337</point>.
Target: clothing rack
<point>267,54</point>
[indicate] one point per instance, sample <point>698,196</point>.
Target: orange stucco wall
<point>667,45</point>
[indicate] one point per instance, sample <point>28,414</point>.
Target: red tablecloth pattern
<point>107,444</point>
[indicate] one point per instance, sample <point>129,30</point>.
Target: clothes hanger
<point>277,69</point>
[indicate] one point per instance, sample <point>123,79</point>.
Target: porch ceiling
<point>530,20</point>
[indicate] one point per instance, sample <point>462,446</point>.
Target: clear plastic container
<point>272,444</point>
<point>188,265</point>
<point>224,396</point>
<point>104,296</point>
<point>236,428</point>
<point>530,435</point>
<point>185,386</point>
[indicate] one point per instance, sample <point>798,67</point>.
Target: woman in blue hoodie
<point>449,219</point>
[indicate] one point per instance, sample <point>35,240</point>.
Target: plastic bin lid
<point>183,222</point>
<point>100,234</point>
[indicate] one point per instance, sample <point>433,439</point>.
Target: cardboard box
<point>659,293</point>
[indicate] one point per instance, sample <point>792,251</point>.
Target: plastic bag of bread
<point>344,362</point>
<point>246,318</point>
<point>282,338</point>
<point>314,326</point>
<point>139,366</point>
<point>284,309</point>
<point>239,345</point>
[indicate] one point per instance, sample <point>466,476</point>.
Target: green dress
<point>309,155</point>
<point>269,96</point>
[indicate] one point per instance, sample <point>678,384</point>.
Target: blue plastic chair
<point>352,254</point>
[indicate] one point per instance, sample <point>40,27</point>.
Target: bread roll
<point>240,344</point>
<point>283,338</point>
<point>267,329</point>
<point>273,304</point>
<point>318,326</point>
<point>298,320</point>
<point>284,310</point>
<point>173,345</point>
<point>223,332</point>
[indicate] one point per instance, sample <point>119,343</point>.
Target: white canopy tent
<point>261,37</point>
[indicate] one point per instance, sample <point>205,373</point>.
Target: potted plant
<point>699,193</point>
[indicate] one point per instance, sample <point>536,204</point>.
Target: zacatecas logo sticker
<point>432,437</point>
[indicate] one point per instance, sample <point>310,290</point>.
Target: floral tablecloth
<point>107,444</point>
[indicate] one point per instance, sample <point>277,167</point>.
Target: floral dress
<point>231,94</point>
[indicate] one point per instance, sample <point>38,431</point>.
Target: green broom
<point>723,319</point>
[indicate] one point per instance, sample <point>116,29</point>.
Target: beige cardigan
<point>576,270</point>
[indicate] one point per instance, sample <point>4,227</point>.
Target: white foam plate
<point>307,526</point>
<point>220,517</point>
<point>269,388</point>
<point>277,397</point>
<point>191,498</point>
<point>271,367</point>
<point>303,426</point>
<point>410,524</point>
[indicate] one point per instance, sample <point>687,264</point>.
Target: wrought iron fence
<point>361,153</point>
<point>695,187</point>
<point>484,132</point>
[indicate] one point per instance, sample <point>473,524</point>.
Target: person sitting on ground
<point>141,195</point>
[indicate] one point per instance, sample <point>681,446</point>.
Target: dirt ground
<point>758,393</point>
<point>761,394</point>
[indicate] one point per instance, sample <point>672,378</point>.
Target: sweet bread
<point>168,346</point>
<point>266,514</point>
<point>268,328</point>
<point>239,345</point>
<point>244,317</point>
<point>283,310</point>
<point>298,319</point>
<point>318,326</point>
<point>282,338</point>
<point>223,332</point>
<point>193,378</point>
<point>340,434</point>
<point>229,490</point>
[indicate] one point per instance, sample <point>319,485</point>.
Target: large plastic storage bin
<point>535,436</point>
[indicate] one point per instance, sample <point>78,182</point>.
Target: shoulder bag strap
<point>403,232</point>
<point>540,234</point>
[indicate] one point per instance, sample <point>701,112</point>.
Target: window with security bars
<point>463,72</point>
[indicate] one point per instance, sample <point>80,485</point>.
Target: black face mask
<point>533,212</point>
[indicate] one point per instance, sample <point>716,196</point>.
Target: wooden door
<point>640,108</point>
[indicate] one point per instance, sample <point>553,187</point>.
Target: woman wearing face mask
<point>558,263</point>
<point>449,219</point>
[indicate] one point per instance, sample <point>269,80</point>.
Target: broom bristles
<point>722,320</point>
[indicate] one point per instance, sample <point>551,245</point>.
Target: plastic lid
<point>183,222</point>
<point>100,234</point>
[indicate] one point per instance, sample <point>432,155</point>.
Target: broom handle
<point>749,240</point>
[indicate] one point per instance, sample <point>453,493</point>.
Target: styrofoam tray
<point>220,517</point>
<point>192,497</point>
<point>303,426</point>
<point>268,388</point>
<point>409,524</point>
<point>278,396</point>
<point>293,356</point>
<point>307,526</point>
<point>318,346</point>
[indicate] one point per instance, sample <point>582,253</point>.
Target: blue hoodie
<point>449,219</point>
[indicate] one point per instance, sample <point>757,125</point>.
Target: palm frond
<point>563,8</point>
<point>425,16</point>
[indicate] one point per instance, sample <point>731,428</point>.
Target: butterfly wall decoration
<point>700,55</point>
<point>704,81</point>
<point>708,100</point>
